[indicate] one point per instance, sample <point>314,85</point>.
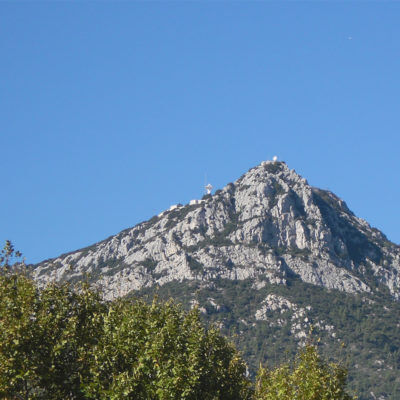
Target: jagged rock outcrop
<point>268,225</point>
<point>299,318</point>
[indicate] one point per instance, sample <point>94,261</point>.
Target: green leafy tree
<point>17,330</point>
<point>44,335</point>
<point>159,352</point>
<point>308,378</point>
<point>69,325</point>
<point>18,336</point>
<point>7,254</point>
<point>66,343</point>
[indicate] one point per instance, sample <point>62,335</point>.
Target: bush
<point>159,352</point>
<point>44,336</point>
<point>309,378</point>
<point>66,343</point>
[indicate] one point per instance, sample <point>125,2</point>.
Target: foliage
<point>66,343</point>
<point>309,378</point>
<point>7,254</point>
<point>194,265</point>
<point>274,168</point>
<point>158,352</point>
<point>367,324</point>
<point>44,336</point>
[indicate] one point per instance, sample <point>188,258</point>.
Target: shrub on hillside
<point>308,378</point>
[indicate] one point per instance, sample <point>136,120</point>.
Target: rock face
<point>266,226</point>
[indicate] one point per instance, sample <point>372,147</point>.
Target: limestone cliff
<point>268,225</point>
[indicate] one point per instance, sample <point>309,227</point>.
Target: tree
<point>159,352</point>
<point>9,253</point>
<point>60,342</point>
<point>308,378</point>
<point>44,335</point>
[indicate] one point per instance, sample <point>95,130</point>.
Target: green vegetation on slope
<point>365,335</point>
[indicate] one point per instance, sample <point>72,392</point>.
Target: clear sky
<point>110,112</point>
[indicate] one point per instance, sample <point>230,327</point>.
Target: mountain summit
<point>266,226</point>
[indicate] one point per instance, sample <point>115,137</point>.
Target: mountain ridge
<point>271,213</point>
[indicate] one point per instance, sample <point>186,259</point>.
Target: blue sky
<point>112,111</point>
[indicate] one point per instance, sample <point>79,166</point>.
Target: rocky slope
<point>268,259</point>
<point>266,225</point>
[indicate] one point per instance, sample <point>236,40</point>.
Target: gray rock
<point>267,225</point>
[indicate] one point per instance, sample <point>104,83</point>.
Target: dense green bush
<point>309,377</point>
<point>45,337</point>
<point>65,344</point>
<point>158,352</point>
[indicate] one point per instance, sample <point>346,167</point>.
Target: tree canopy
<point>309,377</point>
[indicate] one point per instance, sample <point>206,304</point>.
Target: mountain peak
<point>268,225</point>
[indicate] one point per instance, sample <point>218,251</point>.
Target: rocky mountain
<point>267,258</point>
